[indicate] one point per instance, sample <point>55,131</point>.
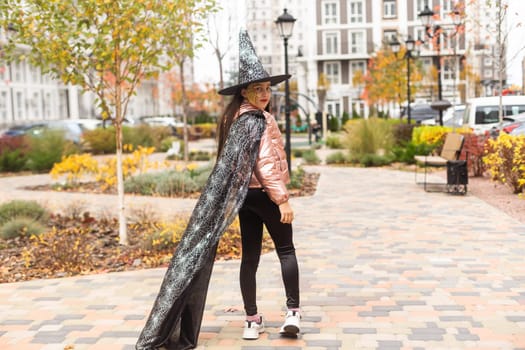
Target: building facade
<point>27,95</point>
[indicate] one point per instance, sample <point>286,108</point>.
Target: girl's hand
<point>286,213</point>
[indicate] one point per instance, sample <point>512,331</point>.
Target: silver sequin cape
<point>175,319</point>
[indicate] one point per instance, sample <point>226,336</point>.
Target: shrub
<point>146,136</point>
<point>333,123</point>
<point>174,183</point>
<point>167,142</point>
<point>297,178</point>
<point>370,160</point>
<point>162,237</point>
<point>402,133</point>
<point>46,149</point>
<point>137,162</point>
<point>473,151</point>
<point>66,250</point>
<point>337,158</point>
<point>310,157</point>
<point>199,155</point>
<point>368,136</point>
<point>13,154</point>
<point>505,160</point>
<point>405,152</point>
<point>22,208</point>
<point>101,140</point>
<point>334,142</point>
<point>20,226</point>
<point>75,167</point>
<point>167,183</point>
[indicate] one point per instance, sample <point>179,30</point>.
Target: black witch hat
<point>251,69</point>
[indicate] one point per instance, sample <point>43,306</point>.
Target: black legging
<point>258,209</point>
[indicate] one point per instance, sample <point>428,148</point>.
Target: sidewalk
<point>384,265</point>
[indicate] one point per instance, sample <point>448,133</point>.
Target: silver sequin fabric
<point>174,321</point>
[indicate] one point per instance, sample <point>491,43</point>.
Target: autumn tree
<point>105,47</point>
<point>385,79</point>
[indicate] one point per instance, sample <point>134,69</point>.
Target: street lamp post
<point>433,30</point>
<point>409,46</point>
<point>285,24</point>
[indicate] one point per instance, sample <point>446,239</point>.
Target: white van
<point>482,113</point>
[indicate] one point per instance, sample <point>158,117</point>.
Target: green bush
<point>145,184</point>
<point>166,183</point>
<point>334,142</point>
<point>20,226</point>
<point>345,117</point>
<point>146,136</point>
<point>167,142</point>
<point>297,178</point>
<point>368,136</point>
<point>47,149</point>
<point>200,155</point>
<point>22,208</point>
<point>370,160</point>
<point>310,157</point>
<point>174,182</point>
<point>337,158</point>
<point>402,133</point>
<point>333,123</point>
<point>405,152</point>
<point>101,140</point>
<point>13,154</point>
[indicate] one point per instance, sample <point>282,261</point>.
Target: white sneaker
<point>291,326</point>
<point>252,329</point>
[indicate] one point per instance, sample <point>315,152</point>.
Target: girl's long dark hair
<point>227,118</point>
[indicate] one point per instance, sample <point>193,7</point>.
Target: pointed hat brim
<point>274,80</point>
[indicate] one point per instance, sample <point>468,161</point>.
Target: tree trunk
<point>123,232</point>
<point>184,112</point>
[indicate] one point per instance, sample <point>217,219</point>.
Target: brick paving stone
<point>384,265</point>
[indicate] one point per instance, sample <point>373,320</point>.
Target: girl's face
<point>258,94</point>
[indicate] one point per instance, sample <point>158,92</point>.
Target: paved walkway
<point>384,265</point>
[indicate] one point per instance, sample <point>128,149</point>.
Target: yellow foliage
<point>74,166</point>
<point>505,160</point>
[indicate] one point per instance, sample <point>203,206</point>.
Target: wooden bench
<point>449,157</point>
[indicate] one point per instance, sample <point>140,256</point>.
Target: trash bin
<point>457,176</point>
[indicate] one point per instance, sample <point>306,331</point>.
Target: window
<point>332,71</point>
<point>3,106</point>
<point>449,68</point>
<point>447,7</point>
<point>421,35</point>
<point>331,43</point>
<point>420,5</point>
<point>19,71</point>
<point>330,12</point>
<point>487,61</point>
<point>357,42</point>
<point>334,108</point>
<point>356,66</point>
<point>389,9</point>
<point>389,36</point>
<point>356,11</point>
<point>487,73</point>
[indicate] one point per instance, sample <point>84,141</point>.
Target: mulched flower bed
<point>87,245</point>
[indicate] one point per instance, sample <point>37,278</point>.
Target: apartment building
<point>27,95</point>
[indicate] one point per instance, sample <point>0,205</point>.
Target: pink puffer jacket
<point>271,167</point>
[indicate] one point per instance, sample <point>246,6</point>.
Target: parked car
<point>71,129</point>
<point>482,114</point>
<point>420,112</point>
<point>518,130</point>
<point>451,117</point>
